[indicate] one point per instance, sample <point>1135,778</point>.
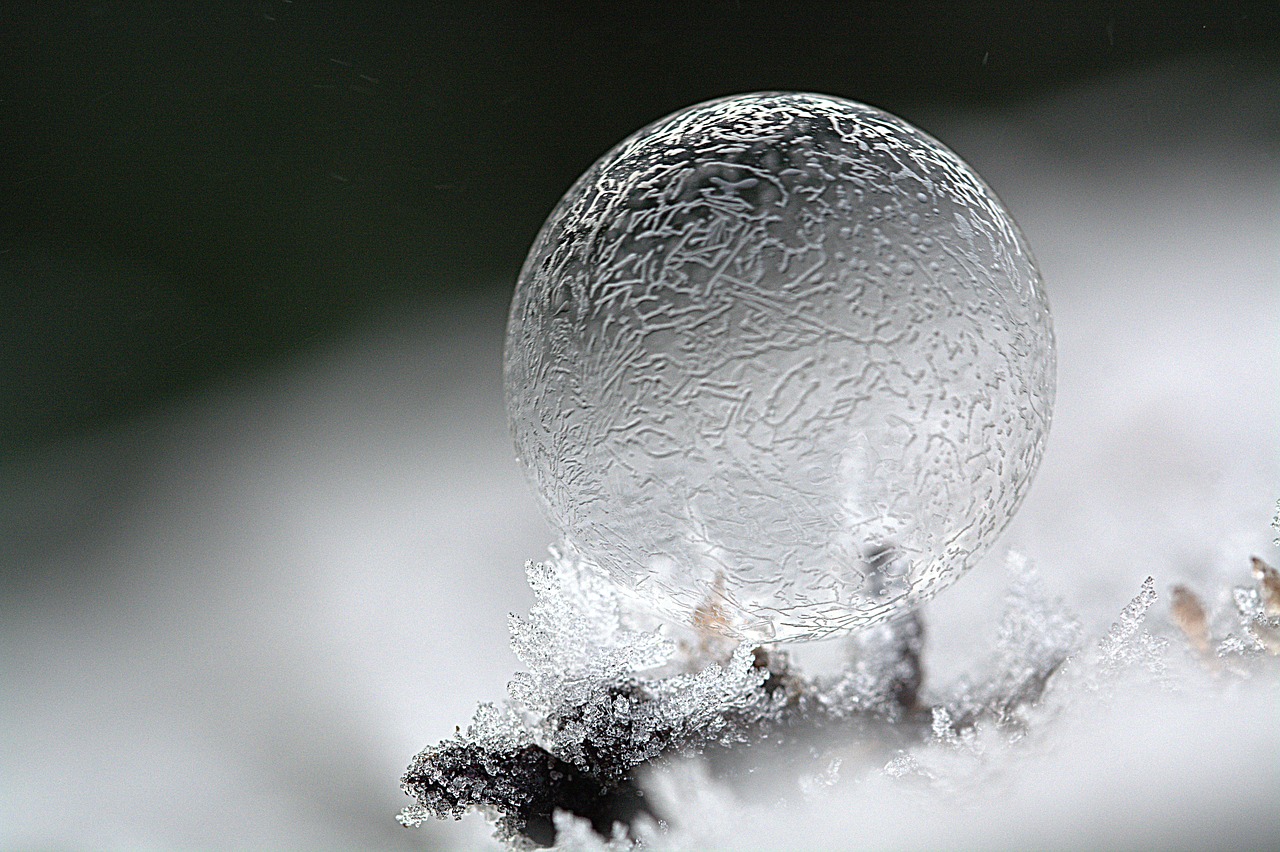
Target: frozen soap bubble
<point>782,358</point>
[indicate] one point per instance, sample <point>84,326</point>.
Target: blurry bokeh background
<point>260,526</point>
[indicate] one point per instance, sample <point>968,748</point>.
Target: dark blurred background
<point>193,190</point>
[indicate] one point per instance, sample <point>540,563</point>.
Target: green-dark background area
<point>193,190</point>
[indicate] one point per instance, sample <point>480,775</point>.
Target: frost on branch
<point>1128,642</point>
<point>1258,611</point>
<point>604,703</point>
<point>609,704</point>
<point>1036,636</point>
<point>602,699</point>
<point>585,715</point>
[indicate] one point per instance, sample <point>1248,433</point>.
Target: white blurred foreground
<point>233,624</point>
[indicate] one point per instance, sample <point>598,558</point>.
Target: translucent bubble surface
<point>781,363</point>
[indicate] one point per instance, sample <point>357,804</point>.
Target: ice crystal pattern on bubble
<point>785,351</point>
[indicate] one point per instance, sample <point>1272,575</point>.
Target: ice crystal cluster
<point>601,701</point>
<point>617,737</point>
<point>786,351</point>
<point>598,700</point>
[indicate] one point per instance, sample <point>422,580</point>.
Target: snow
<point>232,623</point>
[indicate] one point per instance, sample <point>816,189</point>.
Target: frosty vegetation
<point>622,733</point>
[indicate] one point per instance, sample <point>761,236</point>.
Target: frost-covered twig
<point>1258,610</point>
<point>602,700</point>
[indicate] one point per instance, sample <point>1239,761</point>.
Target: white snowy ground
<point>233,623</point>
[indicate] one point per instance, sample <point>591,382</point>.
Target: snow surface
<point>232,623</point>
